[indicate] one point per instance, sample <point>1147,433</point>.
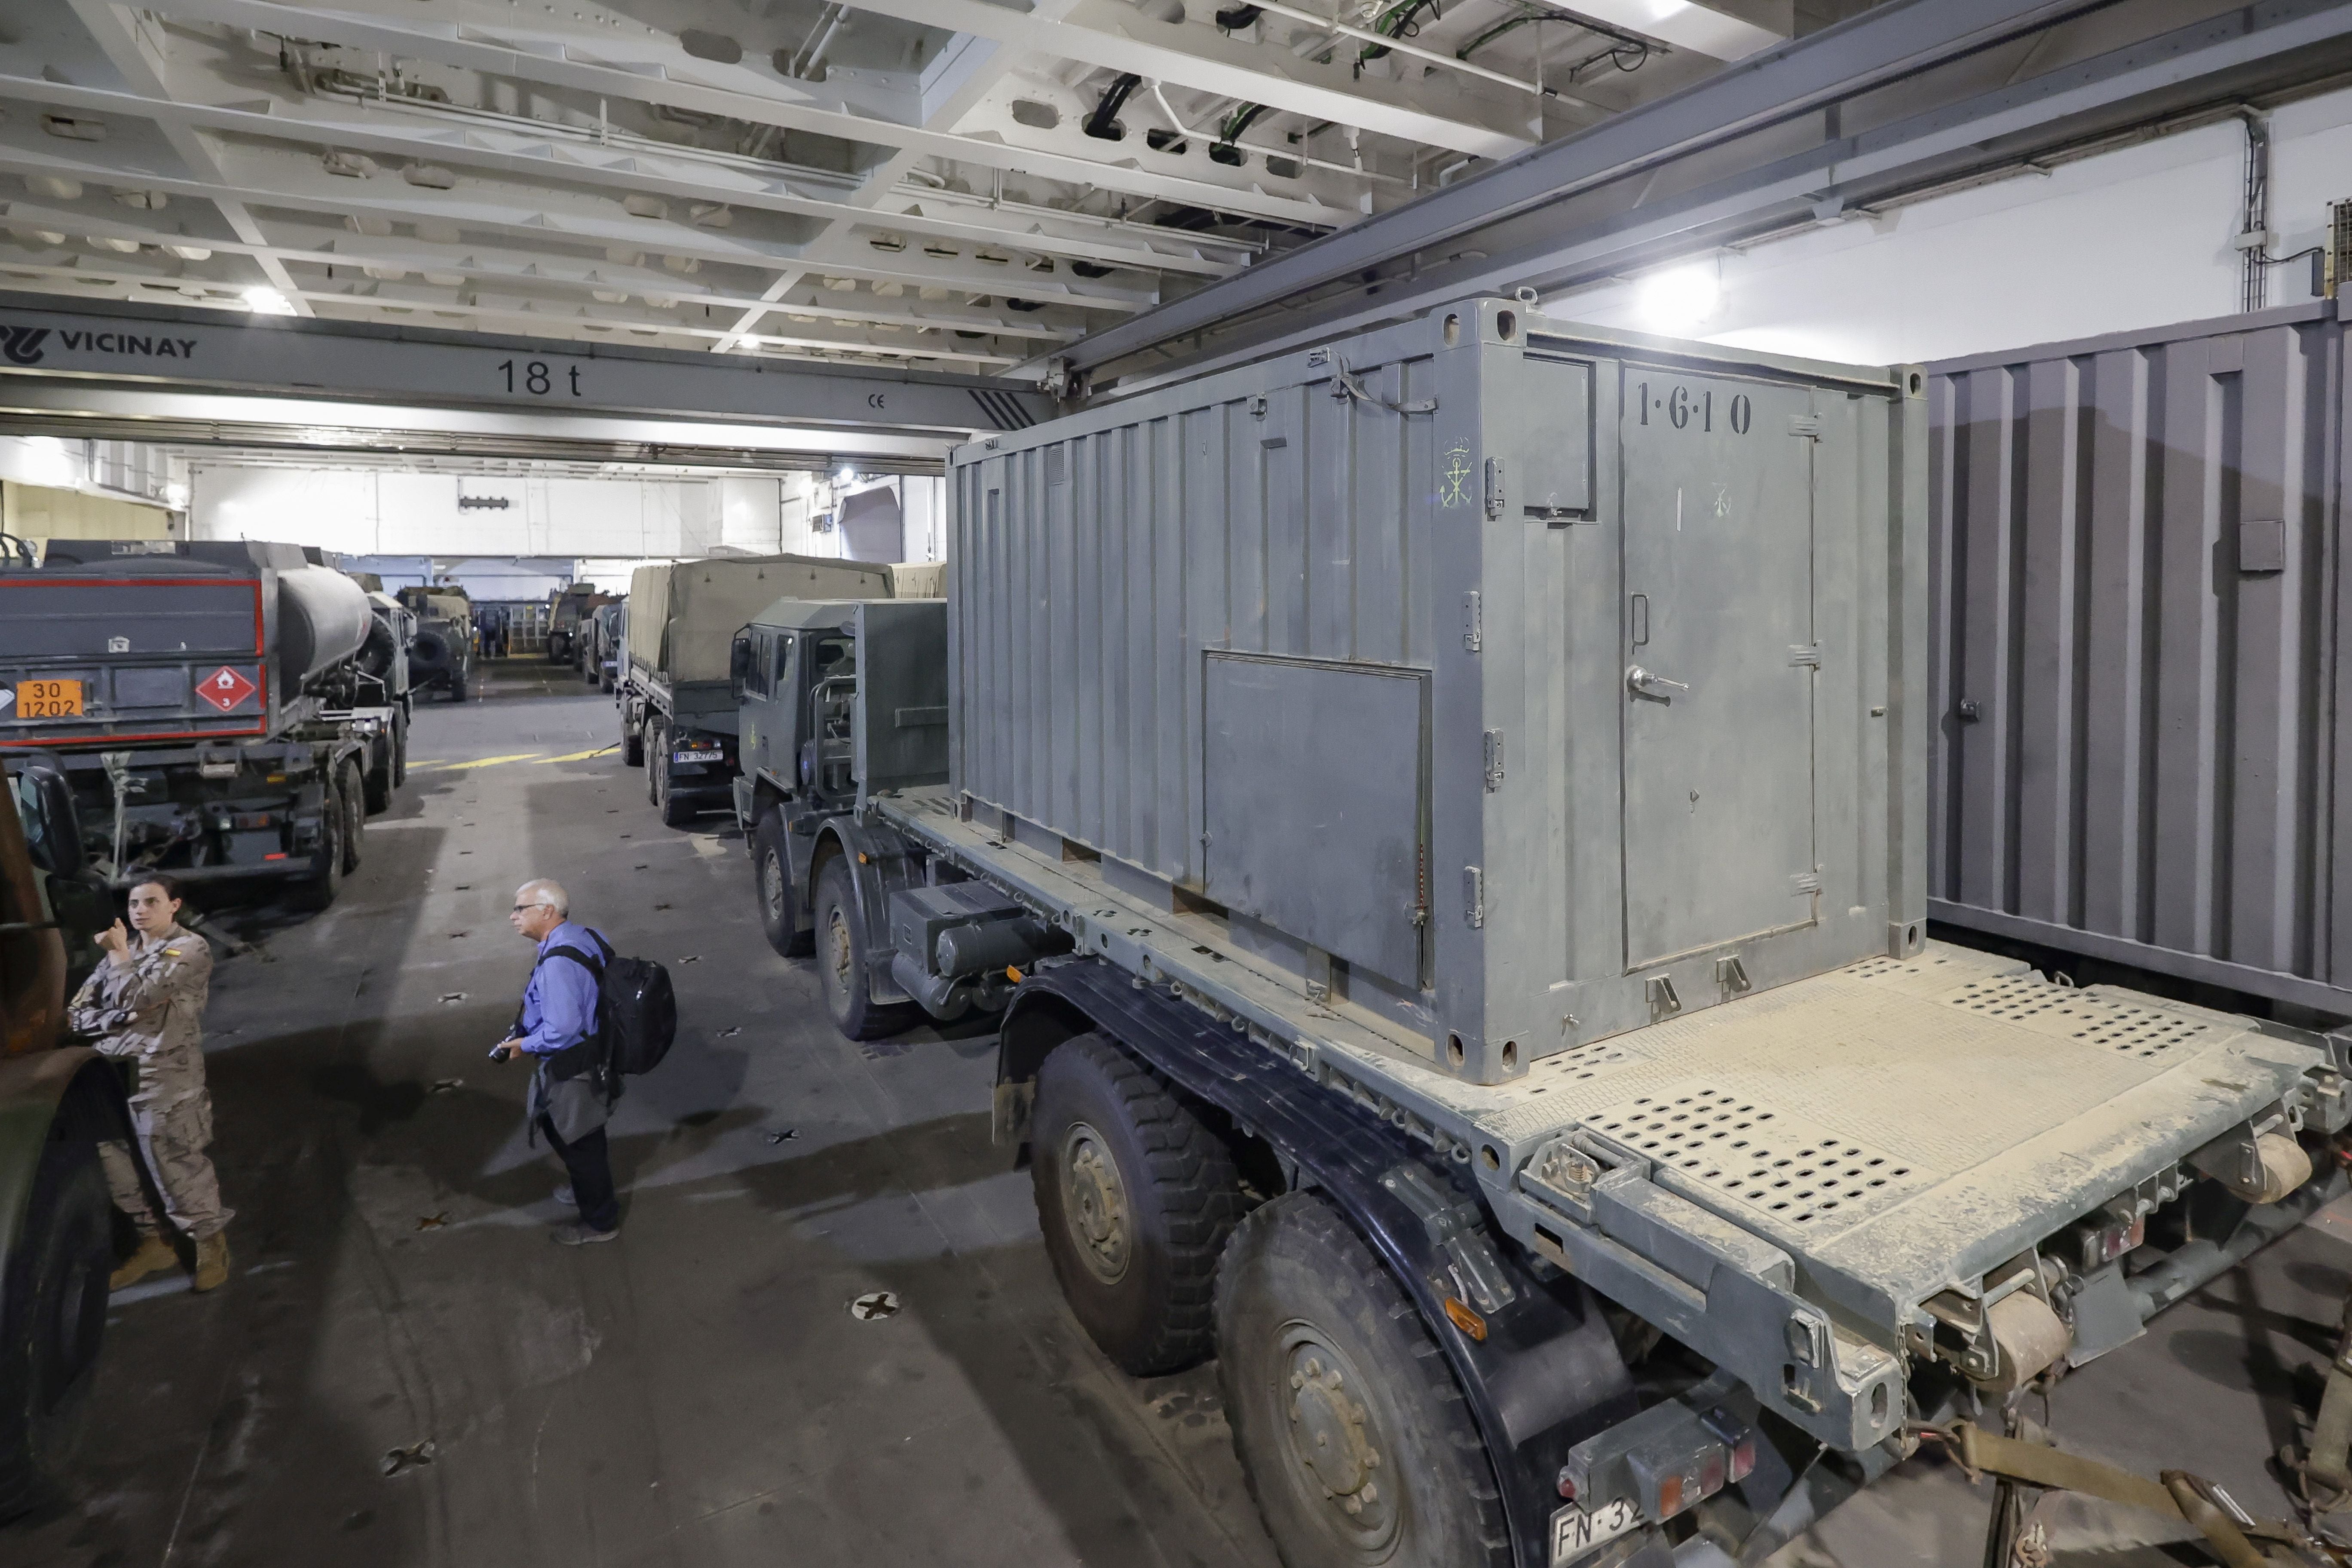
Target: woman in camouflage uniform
<point>144,1005</point>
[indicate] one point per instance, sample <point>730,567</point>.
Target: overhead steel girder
<point>2310,37</point>
<point>475,49</point>
<point>162,348</point>
<point>396,132</point>
<point>1111,36</point>
<point>1897,38</point>
<point>519,270</point>
<point>484,211</point>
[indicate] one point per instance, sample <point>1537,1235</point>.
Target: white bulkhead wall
<point>362,512</point>
<point>2128,239</point>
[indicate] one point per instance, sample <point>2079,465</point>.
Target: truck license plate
<point>48,700</point>
<point>1575,1532</point>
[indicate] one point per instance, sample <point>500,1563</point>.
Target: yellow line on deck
<point>577,756</point>
<point>489,761</point>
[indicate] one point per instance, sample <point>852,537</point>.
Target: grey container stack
<point>1521,683</point>
<point>2139,688</point>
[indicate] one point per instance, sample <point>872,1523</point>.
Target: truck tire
<point>399,750</point>
<point>656,759</point>
<point>1135,1197</point>
<point>603,680</point>
<point>676,811</point>
<point>318,890</point>
<point>1338,1395</point>
<point>460,674</point>
<point>349,790</point>
<point>842,950</point>
<point>633,742</point>
<point>378,779</point>
<point>771,872</point>
<point>52,1321</point>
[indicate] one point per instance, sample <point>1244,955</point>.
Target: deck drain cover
<point>1745,1150</point>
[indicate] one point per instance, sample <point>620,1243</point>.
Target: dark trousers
<point>589,1165</point>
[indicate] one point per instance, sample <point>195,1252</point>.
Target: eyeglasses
<point>520,908</point>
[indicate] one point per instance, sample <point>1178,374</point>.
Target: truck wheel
<point>779,916</point>
<point>52,1321</point>
<point>676,811</point>
<point>326,878</point>
<point>632,741</point>
<point>656,759</point>
<point>348,789</point>
<point>399,751</point>
<point>1136,1198</point>
<point>842,950</point>
<point>457,678</point>
<point>378,782</point>
<point>1352,1433</point>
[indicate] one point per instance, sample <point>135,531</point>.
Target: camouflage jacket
<point>149,1011</point>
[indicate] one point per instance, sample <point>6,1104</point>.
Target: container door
<point>1719,661</point>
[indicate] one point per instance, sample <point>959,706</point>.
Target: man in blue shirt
<point>570,1096</point>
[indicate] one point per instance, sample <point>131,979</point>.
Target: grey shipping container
<point>2139,572</point>
<point>1522,683</point>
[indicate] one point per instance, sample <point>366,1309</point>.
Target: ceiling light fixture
<point>1681,299</point>
<point>264,300</point>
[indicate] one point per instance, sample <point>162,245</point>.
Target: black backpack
<point>636,1012</point>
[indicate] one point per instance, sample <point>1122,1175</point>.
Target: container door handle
<point>1644,683</point>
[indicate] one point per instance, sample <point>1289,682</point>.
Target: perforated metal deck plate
<point>1901,1124</point>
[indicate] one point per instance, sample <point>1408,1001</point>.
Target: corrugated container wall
<point>2138,574</point>
<point>1517,684</point>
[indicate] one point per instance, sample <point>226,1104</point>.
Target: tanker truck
<point>195,698</point>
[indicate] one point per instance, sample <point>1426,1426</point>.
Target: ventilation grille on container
<point>1738,1147</point>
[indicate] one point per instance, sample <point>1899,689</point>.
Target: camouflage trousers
<point>173,1138</point>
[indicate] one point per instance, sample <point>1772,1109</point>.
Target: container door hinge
<point>1805,425</point>
<point>1473,622</point>
<point>1807,657</point>
<point>1663,1002</point>
<point>1494,489</point>
<point>1494,760</point>
<point>1473,897</point>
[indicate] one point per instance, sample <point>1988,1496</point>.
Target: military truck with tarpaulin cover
<point>189,694</point>
<point>442,648</point>
<point>58,1102</point>
<point>1443,817</point>
<point>677,709</point>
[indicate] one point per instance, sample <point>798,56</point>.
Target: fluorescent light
<point>844,477</point>
<point>175,496</point>
<point>1681,299</point>
<point>267,301</point>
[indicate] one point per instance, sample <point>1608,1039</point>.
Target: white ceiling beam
<point>1717,30</point>
<point>400,132</point>
<point>1113,36</point>
<point>478,265</point>
<point>116,31</point>
<point>528,214</point>
<point>514,53</point>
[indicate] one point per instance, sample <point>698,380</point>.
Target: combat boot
<point>212,1262</point>
<point>155,1254</point>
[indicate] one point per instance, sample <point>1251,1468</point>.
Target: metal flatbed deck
<point>1862,1141</point>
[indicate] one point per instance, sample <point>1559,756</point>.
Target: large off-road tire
<point>318,890</point>
<point>772,873</point>
<point>842,950</point>
<point>349,790</point>
<point>1136,1197</point>
<point>377,781</point>
<point>633,742</point>
<point>52,1323</point>
<point>1337,1395</point>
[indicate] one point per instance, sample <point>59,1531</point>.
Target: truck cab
<point>58,1102</point>
<point>799,672</point>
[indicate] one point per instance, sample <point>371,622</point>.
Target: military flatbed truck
<point>1442,817</point>
<point>58,1102</point>
<point>194,696</point>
